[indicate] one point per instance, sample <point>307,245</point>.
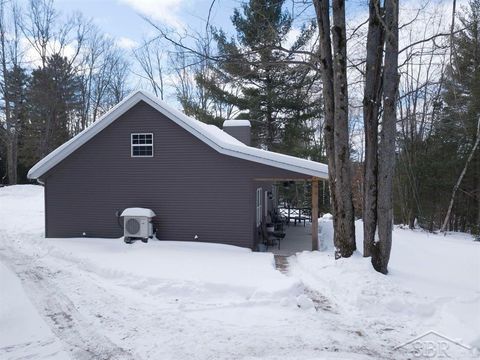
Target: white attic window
<point>142,145</point>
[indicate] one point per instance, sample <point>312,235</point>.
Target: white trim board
<point>209,134</point>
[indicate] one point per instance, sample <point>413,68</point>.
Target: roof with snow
<point>209,134</point>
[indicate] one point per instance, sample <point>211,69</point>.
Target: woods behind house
<point>372,104</point>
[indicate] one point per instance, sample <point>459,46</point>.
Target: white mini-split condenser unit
<point>137,224</point>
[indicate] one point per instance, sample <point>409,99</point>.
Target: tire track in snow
<point>60,313</point>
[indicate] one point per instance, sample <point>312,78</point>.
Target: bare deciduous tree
<point>371,109</point>
<point>101,67</point>
<point>9,59</point>
<point>335,97</point>
<point>386,155</point>
<point>460,178</point>
<point>151,58</point>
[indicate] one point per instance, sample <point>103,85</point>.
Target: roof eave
<point>65,150</point>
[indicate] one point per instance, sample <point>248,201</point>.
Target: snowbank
<point>189,268</point>
<point>21,208</point>
<point>433,281</point>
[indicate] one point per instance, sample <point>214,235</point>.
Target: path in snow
<point>281,263</point>
<point>320,301</point>
<point>72,328</point>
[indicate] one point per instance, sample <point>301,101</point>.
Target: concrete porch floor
<point>297,239</point>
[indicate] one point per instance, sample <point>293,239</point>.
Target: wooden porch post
<point>314,214</point>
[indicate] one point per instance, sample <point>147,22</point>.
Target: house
<point>202,182</point>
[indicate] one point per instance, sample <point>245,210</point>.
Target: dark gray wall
<point>193,189</point>
<point>242,133</point>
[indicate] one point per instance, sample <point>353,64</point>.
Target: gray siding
<point>193,189</point>
<point>242,133</point>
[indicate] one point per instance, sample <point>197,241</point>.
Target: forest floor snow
<point>100,298</point>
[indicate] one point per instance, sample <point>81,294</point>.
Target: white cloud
<point>126,43</point>
<point>165,11</point>
<point>32,59</point>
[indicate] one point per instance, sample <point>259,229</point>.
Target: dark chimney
<point>239,129</point>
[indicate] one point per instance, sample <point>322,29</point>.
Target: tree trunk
<point>371,105</point>
<point>335,98</point>
<point>345,237</point>
<point>316,242</point>
<point>478,208</point>
<point>12,158</point>
<point>10,136</point>
<point>411,222</point>
<point>326,63</point>
<point>386,155</point>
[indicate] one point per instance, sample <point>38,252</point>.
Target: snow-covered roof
<point>228,123</point>
<point>209,134</point>
<point>136,211</point>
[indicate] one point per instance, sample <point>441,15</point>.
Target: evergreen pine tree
<point>17,80</point>
<point>53,100</point>
<point>442,156</point>
<point>261,82</point>
<point>456,133</point>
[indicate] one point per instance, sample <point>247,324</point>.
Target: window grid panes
<point>142,145</point>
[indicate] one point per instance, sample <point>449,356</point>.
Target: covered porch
<point>297,239</point>
<point>292,220</point>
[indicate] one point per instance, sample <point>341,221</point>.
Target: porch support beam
<point>314,214</point>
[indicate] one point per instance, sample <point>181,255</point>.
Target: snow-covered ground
<point>100,298</point>
<point>433,283</point>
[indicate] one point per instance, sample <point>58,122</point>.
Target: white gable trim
<point>209,134</point>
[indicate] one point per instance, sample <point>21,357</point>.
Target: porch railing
<point>294,213</point>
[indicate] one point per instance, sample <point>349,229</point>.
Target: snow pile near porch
<point>433,282</point>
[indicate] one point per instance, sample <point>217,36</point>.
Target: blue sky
<point>122,19</point>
